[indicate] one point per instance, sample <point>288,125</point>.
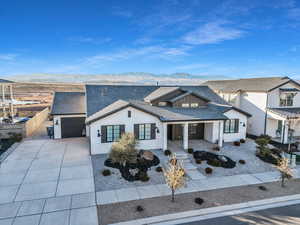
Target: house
<point>154,114</point>
<point>274,103</point>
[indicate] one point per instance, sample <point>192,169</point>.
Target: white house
<point>156,115</point>
<point>273,102</point>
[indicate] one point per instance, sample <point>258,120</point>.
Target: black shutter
<point>103,134</point>
<point>237,124</point>
<point>122,129</point>
<point>136,131</point>
<point>153,133</point>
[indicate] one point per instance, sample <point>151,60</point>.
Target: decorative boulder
<point>147,155</point>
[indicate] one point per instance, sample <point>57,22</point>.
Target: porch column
<point>185,136</point>
<point>220,139</point>
<point>165,136</point>
<point>286,132</point>
<point>282,131</point>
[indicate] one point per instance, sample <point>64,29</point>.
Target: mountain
<point>121,78</point>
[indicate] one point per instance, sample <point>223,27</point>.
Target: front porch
<point>201,145</point>
<point>191,134</point>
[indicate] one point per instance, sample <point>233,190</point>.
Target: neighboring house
<point>274,103</point>
<point>154,114</point>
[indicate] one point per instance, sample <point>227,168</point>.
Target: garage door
<point>72,126</point>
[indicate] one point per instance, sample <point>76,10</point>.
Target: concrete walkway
<point>48,182</point>
<point>142,192</point>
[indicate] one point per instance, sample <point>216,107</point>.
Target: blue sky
<point>235,38</point>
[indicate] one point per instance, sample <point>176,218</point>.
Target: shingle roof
<point>251,84</point>
<point>65,103</point>
<point>286,112</point>
<point>100,96</point>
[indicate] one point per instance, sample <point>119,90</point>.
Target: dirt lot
<point>125,211</point>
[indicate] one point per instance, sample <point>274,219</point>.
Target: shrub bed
<point>214,159</point>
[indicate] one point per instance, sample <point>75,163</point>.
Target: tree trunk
<point>173,192</point>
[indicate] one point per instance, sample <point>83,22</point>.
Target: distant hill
<point>122,78</point>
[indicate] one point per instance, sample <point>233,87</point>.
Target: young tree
<point>285,170</point>
<point>174,175</point>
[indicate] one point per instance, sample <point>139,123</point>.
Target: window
<point>287,99</point>
<point>194,105</point>
<point>111,133</point>
<point>145,131</point>
<point>231,126</point>
<point>279,128</point>
<point>162,104</point>
<point>129,113</point>
<point>185,105</point>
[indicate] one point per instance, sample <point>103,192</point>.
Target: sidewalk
<point>136,193</point>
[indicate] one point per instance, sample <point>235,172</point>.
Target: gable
<point>189,98</point>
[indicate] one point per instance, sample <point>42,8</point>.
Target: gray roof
<point>65,103</point>
<point>100,96</point>
<point>251,84</point>
<point>286,112</point>
<point>210,112</point>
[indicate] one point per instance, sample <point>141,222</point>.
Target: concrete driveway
<point>42,180</point>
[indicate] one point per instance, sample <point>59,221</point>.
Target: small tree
<point>262,147</point>
<point>124,151</point>
<point>285,170</point>
<point>174,175</point>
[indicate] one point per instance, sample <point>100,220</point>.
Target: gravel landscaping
<point>116,181</point>
<point>244,152</point>
<point>125,211</point>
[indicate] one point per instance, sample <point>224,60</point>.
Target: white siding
<point>211,131</point>
<point>57,119</point>
<point>271,127</point>
<point>121,117</point>
<point>255,104</point>
<point>233,114</point>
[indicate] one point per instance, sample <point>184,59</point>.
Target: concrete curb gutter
<point>214,212</point>
<point>9,151</point>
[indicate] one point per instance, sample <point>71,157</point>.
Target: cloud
<point>90,40</point>
<point>211,33</point>
<point>294,14</point>
<point>117,11</point>
<point>8,57</point>
<point>191,66</point>
<point>149,51</point>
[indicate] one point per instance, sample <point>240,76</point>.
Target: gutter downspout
<point>266,114</point>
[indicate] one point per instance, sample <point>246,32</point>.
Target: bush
<point>159,169</point>
<point>199,201</point>
<point>263,188</point>
<point>216,148</point>
<point>144,177</point>
<point>214,162</point>
<point>139,208</point>
<point>241,161</point>
<point>16,137</point>
<point>106,172</point>
<point>190,150</point>
<point>198,161</point>
<point>208,170</point>
<point>263,149</point>
<point>243,141</point>
<point>167,152</point>
<point>236,143</point>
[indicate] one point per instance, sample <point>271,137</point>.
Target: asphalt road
<point>288,215</point>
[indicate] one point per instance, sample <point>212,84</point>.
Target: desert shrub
<point>167,152</point>
<point>214,162</point>
<point>139,208</point>
<point>241,161</point>
<point>263,188</point>
<point>16,137</point>
<point>124,150</point>
<point>190,150</point>
<point>199,201</point>
<point>144,177</point>
<point>106,172</point>
<point>198,161</point>
<point>159,169</point>
<point>236,143</point>
<point>243,141</point>
<point>262,146</point>
<point>208,170</point>
<point>216,148</point>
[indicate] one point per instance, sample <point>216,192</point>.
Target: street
<point>288,215</point>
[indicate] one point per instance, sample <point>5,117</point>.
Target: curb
<point>214,212</point>
<point>9,151</point>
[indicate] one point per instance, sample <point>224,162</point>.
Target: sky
<point>234,38</point>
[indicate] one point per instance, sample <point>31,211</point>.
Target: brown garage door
<point>72,126</point>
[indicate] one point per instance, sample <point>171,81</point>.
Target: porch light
<point>56,122</point>
<point>157,130</point>
<point>98,133</point>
